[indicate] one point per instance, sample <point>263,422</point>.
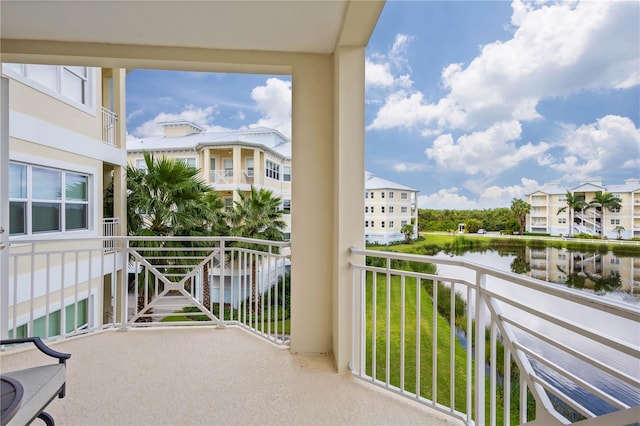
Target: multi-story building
<point>557,265</point>
<point>618,223</point>
<point>65,146</point>
<point>228,161</point>
<point>388,206</point>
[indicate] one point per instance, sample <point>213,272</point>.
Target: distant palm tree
<point>520,210</point>
<point>574,202</point>
<point>257,215</point>
<point>407,231</point>
<point>605,200</point>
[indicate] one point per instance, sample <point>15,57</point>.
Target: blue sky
<point>471,103</point>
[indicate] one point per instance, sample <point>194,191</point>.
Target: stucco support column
<point>237,165</point>
<point>314,212</point>
<point>4,207</point>
<point>206,166</point>
<point>257,168</point>
<point>348,191</point>
<point>119,172</point>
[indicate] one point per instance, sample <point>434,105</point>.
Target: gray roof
<point>372,181</point>
<point>269,139</point>
<point>630,185</point>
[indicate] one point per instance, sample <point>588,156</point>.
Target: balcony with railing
<point>562,355</point>
<point>109,119</point>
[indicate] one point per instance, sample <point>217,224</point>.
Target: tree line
<point>513,219</point>
<point>491,220</point>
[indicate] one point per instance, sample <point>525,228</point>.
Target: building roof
<point>629,185</point>
<point>268,139</point>
<point>372,181</point>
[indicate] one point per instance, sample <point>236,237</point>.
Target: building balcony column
<point>237,165</point>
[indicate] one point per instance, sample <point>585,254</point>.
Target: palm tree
<point>168,198</point>
<point>257,215</point>
<point>407,231</point>
<point>520,209</point>
<point>605,200</point>
<point>212,221</point>
<point>574,202</point>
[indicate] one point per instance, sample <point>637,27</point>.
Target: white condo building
<point>388,206</point>
<point>618,223</point>
<point>228,161</point>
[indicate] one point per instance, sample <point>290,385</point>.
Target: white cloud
<point>496,196</point>
<point>557,49</point>
<point>390,70</point>
<point>273,101</point>
<point>487,152</point>
<point>377,74</point>
<point>201,116</point>
<point>446,199</point>
<point>491,197</point>
<point>409,167</point>
<point>134,114</point>
<point>610,143</point>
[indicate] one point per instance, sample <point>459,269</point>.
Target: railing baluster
<point>507,386</point>
<point>374,315</point>
<point>418,333</point>
<point>402,329</point>
<point>434,342</point>
<point>388,324</point>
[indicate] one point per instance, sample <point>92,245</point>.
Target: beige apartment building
<point>388,206</point>
<point>556,265</point>
<point>65,146</point>
<point>620,223</point>
<point>229,161</point>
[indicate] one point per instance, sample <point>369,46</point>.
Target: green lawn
<point>426,332</point>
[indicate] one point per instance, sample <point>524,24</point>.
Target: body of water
<point>605,275</point>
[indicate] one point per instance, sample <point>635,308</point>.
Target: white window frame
<point>286,173</point>
<point>141,164</point>
<point>227,171</point>
<point>249,166</point>
<point>271,169</point>
<point>88,105</point>
<point>188,160</point>
<point>90,201</point>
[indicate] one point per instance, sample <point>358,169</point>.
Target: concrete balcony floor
<point>205,376</point>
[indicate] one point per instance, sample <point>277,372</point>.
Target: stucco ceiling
<point>288,26</point>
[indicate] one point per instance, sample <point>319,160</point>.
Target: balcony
<point>207,319</point>
<point>109,119</point>
<point>205,375</point>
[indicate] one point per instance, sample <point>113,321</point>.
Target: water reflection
<point>605,274</point>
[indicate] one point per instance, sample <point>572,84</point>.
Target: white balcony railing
<point>553,354</point>
<point>222,176</point>
<point>110,229</point>
<point>545,352</point>
<point>147,281</point>
<point>109,119</point>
